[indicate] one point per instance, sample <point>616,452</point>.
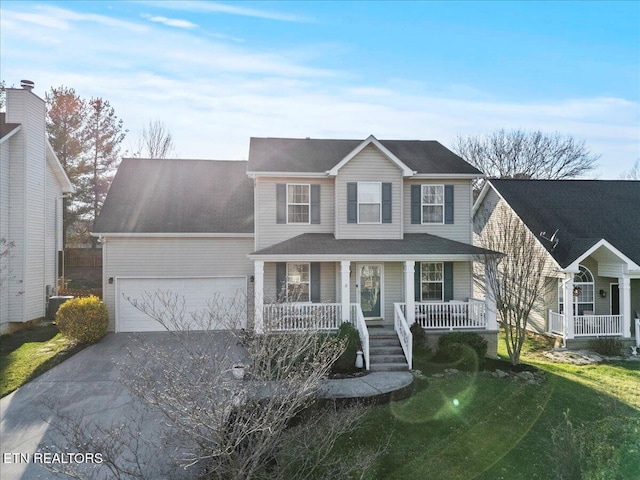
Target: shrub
<point>83,319</point>
<point>609,346</point>
<point>420,343</point>
<point>346,363</point>
<point>466,348</point>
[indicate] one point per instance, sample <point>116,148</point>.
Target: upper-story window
<point>369,202</point>
<point>298,203</point>
<point>432,203</point>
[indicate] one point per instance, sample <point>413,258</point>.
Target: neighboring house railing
<point>597,325</point>
<point>357,319</point>
<point>404,333</point>
<point>556,323</point>
<point>450,315</point>
<point>587,325</point>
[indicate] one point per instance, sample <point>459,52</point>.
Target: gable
<point>178,196</point>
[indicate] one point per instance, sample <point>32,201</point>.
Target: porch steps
<point>385,351</point>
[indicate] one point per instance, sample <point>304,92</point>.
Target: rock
<point>437,375</point>
<point>525,375</point>
<point>500,373</point>
<point>451,371</point>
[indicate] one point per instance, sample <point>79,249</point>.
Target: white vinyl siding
<point>460,230</point>
<point>267,232</point>
<point>173,257</point>
<point>28,188</point>
<point>370,165</point>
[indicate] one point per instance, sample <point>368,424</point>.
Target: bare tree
<point>267,425</point>
<point>522,154</point>
<point>633,173</point>
<point>156,141</point>
<point>516,280</point>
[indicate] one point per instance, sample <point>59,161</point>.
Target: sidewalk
<point>375,386</point>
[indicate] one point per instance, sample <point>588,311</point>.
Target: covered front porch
<point>383,291</point>
<point>598,296</point>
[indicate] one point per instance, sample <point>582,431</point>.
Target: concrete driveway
<point>87,386</point>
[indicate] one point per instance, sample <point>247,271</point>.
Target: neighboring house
<point>32,184</point>
<point>589,233</point>
<point>377,233</point>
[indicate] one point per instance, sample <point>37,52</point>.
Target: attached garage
<point>227,294</point>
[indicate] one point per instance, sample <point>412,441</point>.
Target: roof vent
<point>27,84</point>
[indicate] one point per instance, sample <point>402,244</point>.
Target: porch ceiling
<point>412,245</point>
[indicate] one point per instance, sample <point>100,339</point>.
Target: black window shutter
<point>314,279</point>
<point>352,202</point>
<point>417,283</point>
<point>448,281</point>
<point>281,203</point>
<point>386,203</point>
<point>281,281</point>
<point>448,204</point>
<point>416,203</point>
<point>315,203</point>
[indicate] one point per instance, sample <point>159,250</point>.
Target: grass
<point>472,425</point>
<point>26,354</point>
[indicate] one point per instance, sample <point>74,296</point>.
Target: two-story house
<point>32,185</point>
<point>315,232</point>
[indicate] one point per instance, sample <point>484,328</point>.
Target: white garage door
<point>228,294</point>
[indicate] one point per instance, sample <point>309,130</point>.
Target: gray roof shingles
<point>583,212</point>
<point>320,155</point>
<point>178,196</point>
<point>411,244</point>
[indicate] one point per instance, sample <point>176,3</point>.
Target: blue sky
<point>218,73</point>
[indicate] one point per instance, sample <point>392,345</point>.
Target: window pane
<point>431,291</point>
<point>432,214</point>
<point>298,292</point>
<point>298,213</point>
<point>587,293</point>
<point>298,193</point>
<point>432,194</point>
<point>369,192</point>
<point>297,272</point>
<point>431,272</point>
<point>369,213</point>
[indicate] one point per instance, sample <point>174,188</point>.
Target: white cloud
<point>171,22</point>
<point>213,96</point>
<point>213,7</point>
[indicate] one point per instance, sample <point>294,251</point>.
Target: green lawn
<point>31,352</point>
<point>476,426</point>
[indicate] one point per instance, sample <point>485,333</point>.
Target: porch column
<point>624,286</point>
<point>490,313</point>
<point>409,291</point>
<point>345,289</point>
<point>569,331</point>
<point>258,296</point>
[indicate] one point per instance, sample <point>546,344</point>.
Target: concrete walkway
<point>375,386</point>
<point>88,385</point>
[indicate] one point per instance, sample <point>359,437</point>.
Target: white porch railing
<point>597,325</point>
<point>556,323</point>
<point>586,325</point>
<point>357,319</point>
<point>401,327</point>
<point>302,316</point>
<point>285,317</point>
<point>450,315</point>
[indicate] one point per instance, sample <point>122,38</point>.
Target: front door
<point>369,288</point>
<point>615,299</point>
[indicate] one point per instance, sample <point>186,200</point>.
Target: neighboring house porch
<point>603,294</point>
<point>380,286</point>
